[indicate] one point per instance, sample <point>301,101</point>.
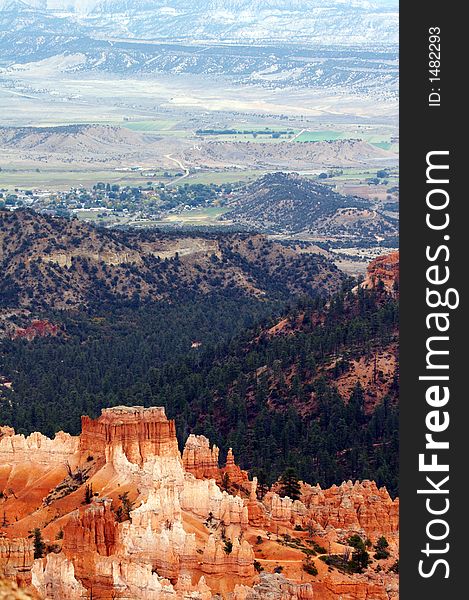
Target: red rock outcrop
<point>91,529</point>
<point>10,591</point>
<point>139,432</point>
<point>36,329</point>
<point>6,431</point>
<point>185,588</point>
<point>277,587</point>
<point>384,268</point>
<point>256,510</point>
<point>181,536</point>
<point>237,559</point>
<point>359,507</point>
<point>360,590</point>
<point>200,459</point>
<point>16,558</point>
<point>235,475</point>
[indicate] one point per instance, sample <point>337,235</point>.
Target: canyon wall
<point>124,515</point>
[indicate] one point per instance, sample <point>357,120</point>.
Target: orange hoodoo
<point>140,433</point>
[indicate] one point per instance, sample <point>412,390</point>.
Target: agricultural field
<point>63,179</point>
<point>320,136</point>
<point>203,216</point>
<point>380,139</point>
<point>225,176</point>
<point>355,182</point>
<point>162,128</point>
<point>149,126</point>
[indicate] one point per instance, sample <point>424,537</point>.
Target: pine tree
<point>39,546</point>
<point>381,548</point>
<point>360,557</point>
<point>88,494</point>
<point>225,482</point>
<point>126,507</point>
<point>289,484</point>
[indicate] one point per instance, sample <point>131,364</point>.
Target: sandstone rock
<point>360,590</point>
<point>169,551</point>
<point>277,587</point>
<point>6,431</point>
<point>235,474</point>
<point>65,259</point>
<point>134,581</point>
<point>181,524</point>
<point>36,329</point>
<point>384,268</point>
<point>10,591</point>
<point>238,561</point>
<point>203,498</point>
<point>37,448</point>
<point>257,514</point>
<point>91,529</point>
<point>185,589</point>
<point>284,510</point>
<point>358,507</point>
<point>16,558</point>
<point>274,587</point>
<point>139,432</point>
<point>54,578</point>
<point>199,459</point>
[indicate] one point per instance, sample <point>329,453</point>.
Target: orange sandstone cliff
<point>123,514</point>
<point>385,269</point>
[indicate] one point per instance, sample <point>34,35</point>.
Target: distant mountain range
<point>276,44</point>
<point>325,22</point>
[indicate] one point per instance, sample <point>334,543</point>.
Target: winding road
<point>180,165</point>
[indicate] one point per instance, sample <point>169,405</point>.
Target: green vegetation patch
<point>320,136</point>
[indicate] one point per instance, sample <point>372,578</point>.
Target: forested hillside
<point>67,264</point>
<point>287,203</point>
<point>268,390</point>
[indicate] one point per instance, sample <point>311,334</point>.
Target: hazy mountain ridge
<point>273,44</point>
<point>333,22</point>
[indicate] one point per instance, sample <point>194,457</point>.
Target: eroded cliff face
<point>36,448</point>
<point>385,269</point>
<point>202,460</point>
<point>16,558</point>
<point>199,458</point>
<point>360,507</point>
<point>124,515</point>
<point>277,587</point>
<point>139,433</point>
<point>10,591</point>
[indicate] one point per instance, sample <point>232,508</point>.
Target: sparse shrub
<point>278,569</point>
<point>310,568</point>
<point>228,546</point>
<point>381,548</point>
